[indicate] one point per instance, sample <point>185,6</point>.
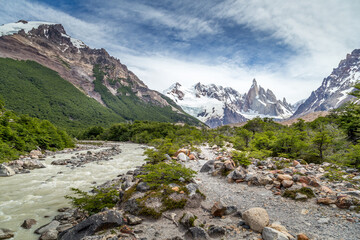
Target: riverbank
<point>230,194</point>
<point>38,194</point>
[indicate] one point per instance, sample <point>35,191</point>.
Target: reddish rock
<point>229,165</point>
<point>295,163</point>
<point>192,157</point>
<point>282,177</point>
<point>314,183</point>
<point>343,202</point>
<point>326,189</point>
<point>126,229</point>
<point>218,210</point>
<point>325,201</point>
<point>302,236</point>
<point>304,179</point>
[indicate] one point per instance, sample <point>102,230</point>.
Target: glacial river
<point>41,192</point>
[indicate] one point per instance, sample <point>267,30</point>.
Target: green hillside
<point>30,88</point>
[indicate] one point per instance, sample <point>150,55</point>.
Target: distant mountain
<point>216,105</point>
<point>334,89</point>
<point>93,71</point>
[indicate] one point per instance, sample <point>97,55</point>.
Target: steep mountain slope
<point>216,105</point>
<point>93,71</point>
<point>334,89</point>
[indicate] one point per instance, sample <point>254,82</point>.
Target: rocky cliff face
<point>216,105</point>
<point>334,89</point>
<point>49,45</point>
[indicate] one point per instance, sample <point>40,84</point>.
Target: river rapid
<point>40,193</point>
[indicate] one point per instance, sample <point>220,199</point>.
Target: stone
<point>323,220</point>
<point>142,187</point>
<point>218,209</point>
<point>64,227</point>
<point>96,222</point>
<point>208,166</point>
<point>47,227</point>
<point>277,226</point>
<point>28,223</point>
<point>230,210</point>
<point>187,220</point>
<point>302,236</point>
<point>295,163</point>
<point>325,201</point>
<point>343,202</point>
<point>265,180</point>
<point>6,233</point>
<point>300,196</point>
<point>313,182</point>
<point>198,233</point>
<point>304,179</point>
<point>126,229</point>
<point>256,218</point>
<point>216,231</point>
<point>273,234</point>
<point>229,165</point>
<point>355,193</point>
<point>237,174</point>
<point>192,156</point>
<point>182,157</point>
<point>282,177</point>
<point>133,220</point>
<point>287,183</point>
<point>192,188</point>
<point>326,189</point>
<point>6,171</point>
<point>49,235</point>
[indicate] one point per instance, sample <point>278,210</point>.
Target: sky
<point>288,46</point>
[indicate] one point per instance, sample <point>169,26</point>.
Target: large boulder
<point>49,235</point>
<point>6,233</point>
<point>93,224</point>
<point>256,218</point>
<point>47,227</point>
<point>272,234</point>
<point>218,209</point>
<point>237,174</point>
<point>208,166</point>
<point>6,171</point>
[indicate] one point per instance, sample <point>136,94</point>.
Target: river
<point>41,192</point>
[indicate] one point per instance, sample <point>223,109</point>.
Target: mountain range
<point>216,105</point>
<point>46,73</point>
<point>118,93</point>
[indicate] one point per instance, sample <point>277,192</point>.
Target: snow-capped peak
<point>12,28</point>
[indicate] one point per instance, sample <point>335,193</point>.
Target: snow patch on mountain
<point>12,28</point>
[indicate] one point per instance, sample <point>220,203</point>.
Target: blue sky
<point>288,46</point>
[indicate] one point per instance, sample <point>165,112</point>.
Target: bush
<point>94,203</point>
<point>166,173</point>
<point>240,158</point>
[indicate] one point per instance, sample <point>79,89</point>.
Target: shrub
<point>166,173</point>
<point>94,203</point>
<point>240,158</point>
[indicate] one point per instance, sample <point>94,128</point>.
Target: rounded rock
<point>256,218</point>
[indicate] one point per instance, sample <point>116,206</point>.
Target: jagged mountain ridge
<point>216,105</point>
<point>334,89</point>
<point>49,45</point>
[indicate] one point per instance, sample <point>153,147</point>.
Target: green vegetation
<point>240,158</point>
<point>94,203</point>
<point>163,173</point>
<point>129,106</point>
<point>30,88</point>
<point>19,134</point>
<point>304,190</point>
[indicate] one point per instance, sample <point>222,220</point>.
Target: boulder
<point>198,233</point>
<point>187,220</point>
<point>192,188</point>
<point>208,166</point>
<point>98,222</point>
<point>237,174</point>
<point>216,231</point>
<point>325,201</point>
<point>142,187</point>
<point>6,171</point>
<point>229,165</point>
<point>282,177</point>
<point>218,209</point>
<point>273,234</point>
<point>287,183</point>
<point>6,233</point>
<point>265,180</point>
<point>343,202</point>
<point>28,223</point>
<point>47,227</point>
<point>256,218</point>
<point>49,235</point>
<point>182,157</point>
<point>133,220</point>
